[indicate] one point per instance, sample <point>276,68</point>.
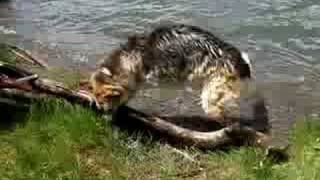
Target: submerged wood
<point>19,84</point>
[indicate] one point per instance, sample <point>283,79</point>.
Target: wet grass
<point>59,141</point>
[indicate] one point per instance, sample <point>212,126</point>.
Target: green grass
<point>61,141</point>
<point>55,140</point>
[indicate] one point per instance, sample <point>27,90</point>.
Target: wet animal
<point>181,53</point>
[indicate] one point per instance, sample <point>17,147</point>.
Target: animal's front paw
<point>90,97</point>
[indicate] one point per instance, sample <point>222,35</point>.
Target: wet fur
<point>174,53</point>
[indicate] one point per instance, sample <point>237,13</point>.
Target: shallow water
<point>282,37</point>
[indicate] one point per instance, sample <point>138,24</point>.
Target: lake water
<point>282,37</point>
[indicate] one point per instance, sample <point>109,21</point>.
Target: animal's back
<point>180,52</point>
<point>187,48</point>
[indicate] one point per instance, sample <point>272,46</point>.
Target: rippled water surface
<point>281,36</point>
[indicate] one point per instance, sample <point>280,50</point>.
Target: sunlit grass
<point>61,141</point>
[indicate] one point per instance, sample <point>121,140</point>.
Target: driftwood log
<point>19,83</point>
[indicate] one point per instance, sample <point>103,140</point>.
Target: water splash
<point>7,31</point>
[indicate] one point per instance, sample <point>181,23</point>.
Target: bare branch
<point>26,86</point>
<point>206,140</point>
<point>26,56</point>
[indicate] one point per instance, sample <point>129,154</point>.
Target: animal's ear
<point>106,71</point>
<point>136,40</point>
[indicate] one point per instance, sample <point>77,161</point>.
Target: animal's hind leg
<point>209,102</point>
<point>219,98</point>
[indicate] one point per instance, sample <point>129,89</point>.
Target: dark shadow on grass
<point>10,116</point>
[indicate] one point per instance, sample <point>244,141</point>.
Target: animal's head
<point>117,75</point>
<point>107,89</point>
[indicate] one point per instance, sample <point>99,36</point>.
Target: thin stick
<point>26,56</point>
